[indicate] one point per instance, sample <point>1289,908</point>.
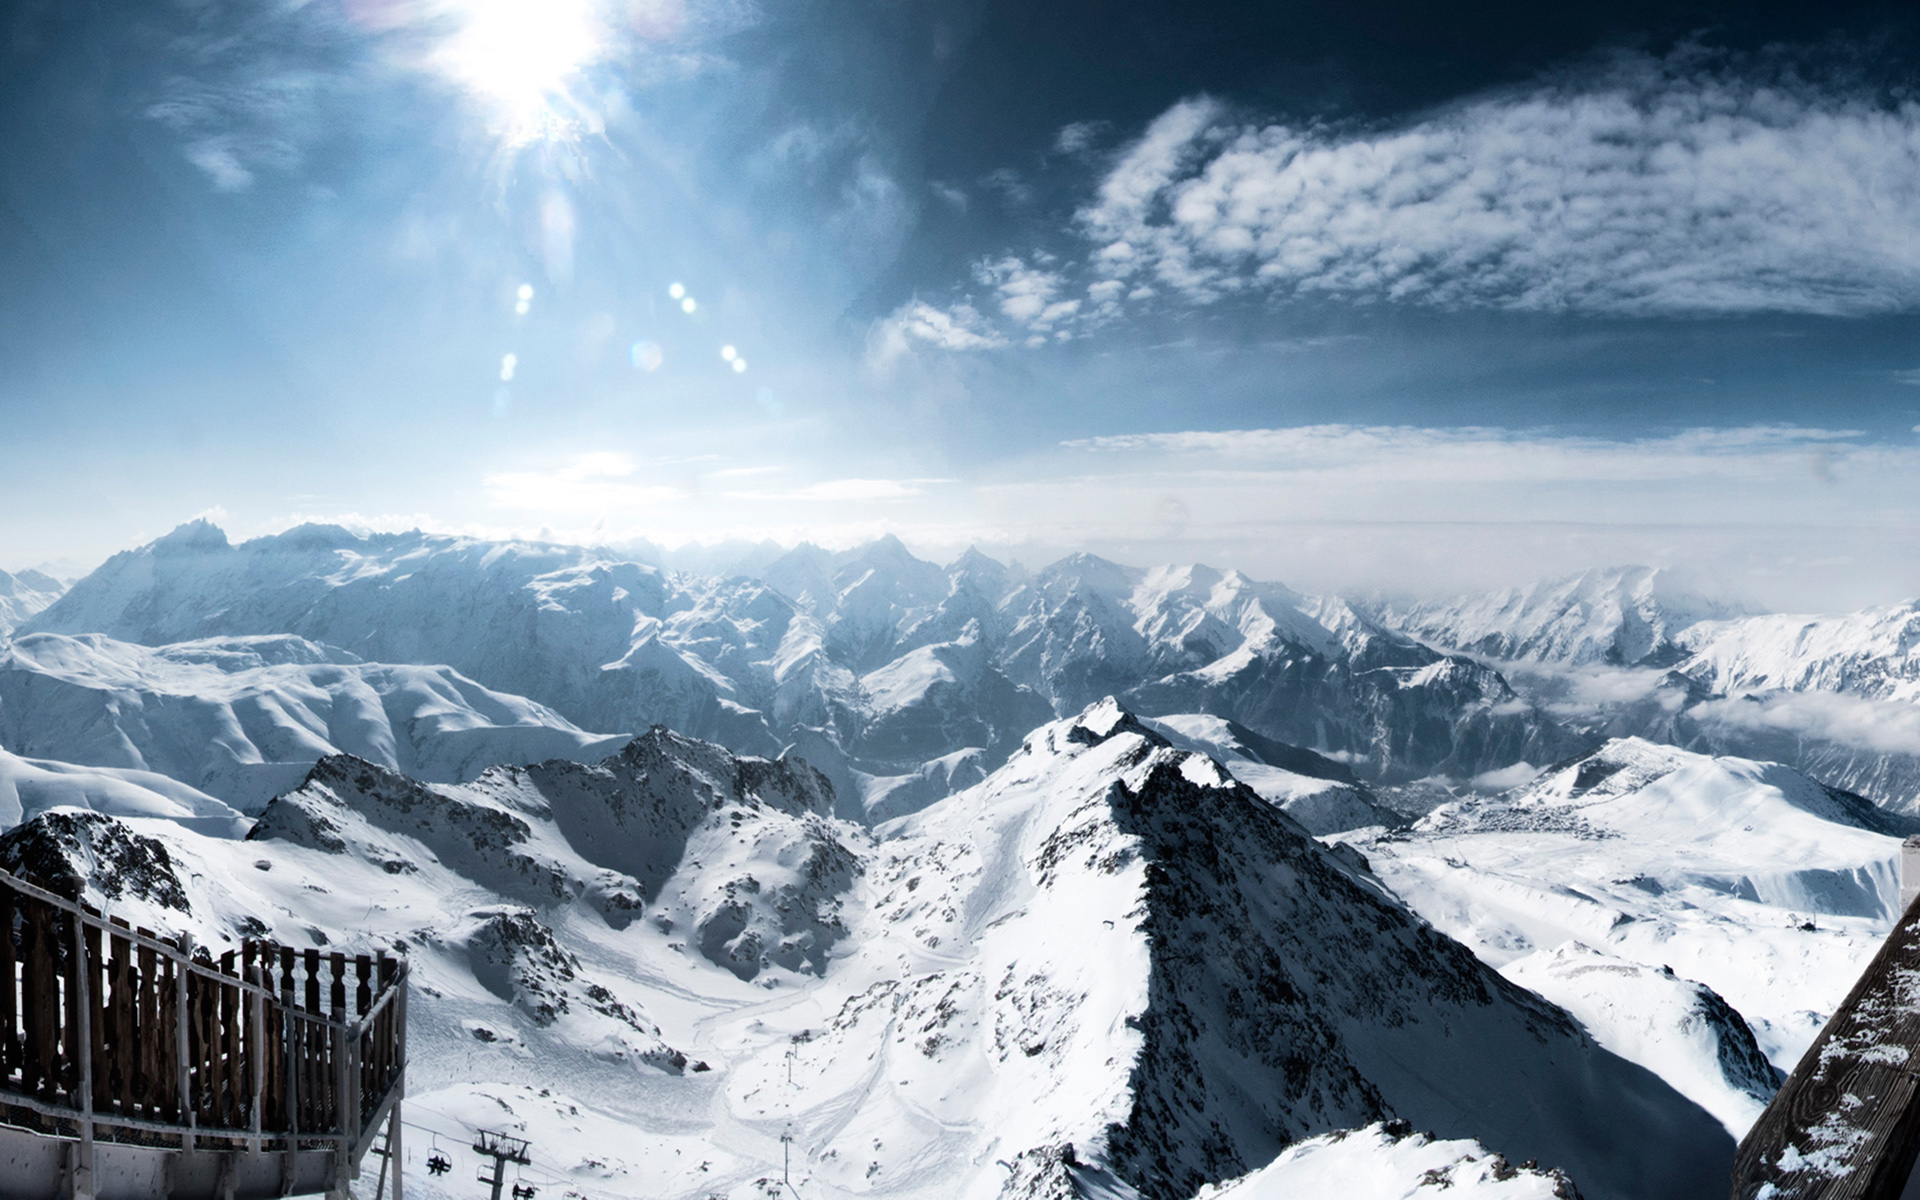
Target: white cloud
<point>860,489</point>
<point>1879,726</point>
<point>588,483</point>
<point>1654,188</point>
<point>919,323</point>
<point>1079,137</point>
<point>1476,456</point>
<point>1028,294</point>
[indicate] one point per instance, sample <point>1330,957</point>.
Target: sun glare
<point>519,53</point>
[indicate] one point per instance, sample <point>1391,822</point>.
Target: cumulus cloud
<point>1656,187</point>
<point>1029,295</point>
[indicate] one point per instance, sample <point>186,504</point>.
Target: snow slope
<point>1321,794</point>
<point>1680,1030</point>
<point>29,787</point>
<point>1623,652</point>
<point>1748,878</point>
<point>245,718</point>
<point>1109,967</point>
<point>24,594</point>
<point>1389,1161</point>
<point>1873,653</point>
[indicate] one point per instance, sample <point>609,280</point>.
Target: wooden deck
<point>1846,1124</point>
<point>112,1036</point>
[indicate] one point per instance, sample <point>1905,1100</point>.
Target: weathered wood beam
<point>1846,1124</point>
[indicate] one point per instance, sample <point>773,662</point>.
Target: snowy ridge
<point>1623,652</point>
<point>1625,616</point>
<point>1873,653</point>
<point>1112,962</point>
<point>24,594</point>
<point>1389,1161</point>
<point>245,718</point>
<point>29,787</point>
<point>1744,879</point>
<point>1322,795</point>
<point>610,838</point>
<point>1679,1029</point>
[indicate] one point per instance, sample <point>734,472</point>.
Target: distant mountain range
<point>875,666</point>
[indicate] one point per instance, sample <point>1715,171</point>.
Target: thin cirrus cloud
<point>1649,188</point>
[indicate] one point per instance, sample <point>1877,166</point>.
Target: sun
<point>519,54</point>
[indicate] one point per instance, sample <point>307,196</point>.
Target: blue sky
<point>1354,294</point>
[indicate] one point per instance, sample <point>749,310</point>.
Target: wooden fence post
<point>188,1110</point>
<point>257,1050</point>
<point>82,1000</point>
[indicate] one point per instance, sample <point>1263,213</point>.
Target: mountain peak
<point>198,536</point>
<point>1104,719</point>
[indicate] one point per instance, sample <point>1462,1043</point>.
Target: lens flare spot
<point>677,290</point>
<point>509,363</point>
<point>739,364</point>
<point>647,356</point>
<point>525,292</point>
<point>729,353</point>
<point>687,305</point>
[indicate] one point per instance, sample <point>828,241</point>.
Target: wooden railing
<point>109,1032</point>
<point>1846,1124</point>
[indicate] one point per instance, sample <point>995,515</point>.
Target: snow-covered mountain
<point>24,594</point>
<point>1389,1161</point>
<point>1641,879</point>
<point>1107,969</point>
<point>1624,652</point>
<point>1625,616</point>
<point>879,665</point>
<point>1319,793</point>
<point>1873,653</point>
<point>243,719</point>
<point>29,787</point>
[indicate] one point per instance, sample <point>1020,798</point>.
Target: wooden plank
<point>147,1074</point>
<point>71,1027</point>
<point>95,1015</point>
<point>1846,1124</point>
<point>10,1032</point>
<point>337,962</point>
<point>160,1052</point>
<point>117,1069</point>
<point>311,961</point>
<point>41,1000</point>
